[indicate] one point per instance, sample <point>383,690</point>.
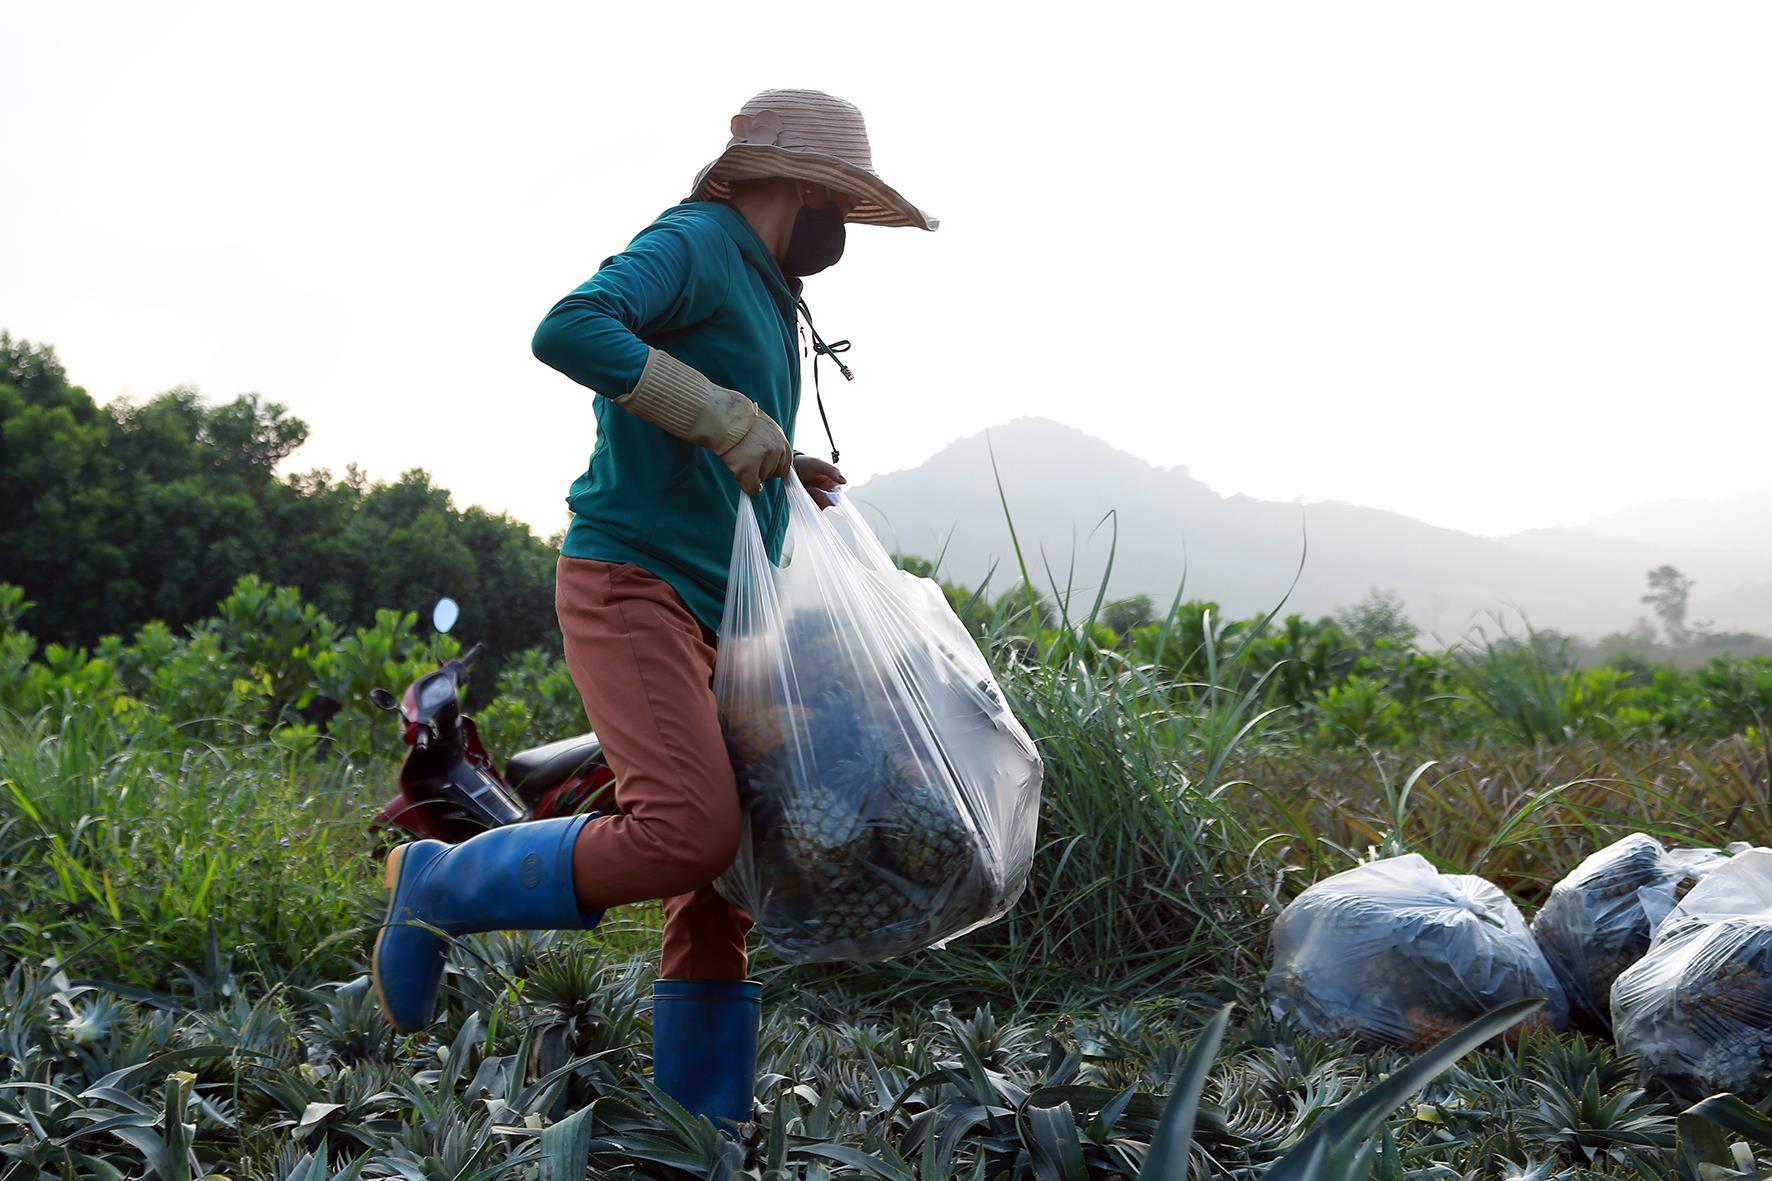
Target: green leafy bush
<point>536,702</point>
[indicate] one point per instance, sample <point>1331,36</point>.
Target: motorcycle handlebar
<point>460,663</point>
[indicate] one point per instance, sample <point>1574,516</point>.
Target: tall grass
<point>133,861</point>
<point>1531,687</point>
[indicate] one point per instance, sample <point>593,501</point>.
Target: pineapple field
<point>190,887</point>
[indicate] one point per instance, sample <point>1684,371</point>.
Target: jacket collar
<point>750,245</point>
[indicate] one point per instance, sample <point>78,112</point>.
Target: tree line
<point>120,514</point>
<point>128,513</point>
<point>123,514</point>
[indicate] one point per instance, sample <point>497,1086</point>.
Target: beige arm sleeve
<point>679,399</point>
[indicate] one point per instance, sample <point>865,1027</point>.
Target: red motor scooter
<point>450,788</point>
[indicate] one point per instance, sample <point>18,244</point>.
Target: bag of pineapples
<point>1394,952</point>
<point>1696,1010</point>
<point>889,796</point>
<point>1599,919</point>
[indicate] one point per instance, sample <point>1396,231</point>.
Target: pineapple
<point>754,737</point>
<point>874,855</point>
<point>1741,1064</point>
<point>1719,984</point>
<point>1697,1012</point>
<point>1426,1026</point>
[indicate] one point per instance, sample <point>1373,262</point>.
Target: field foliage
<point>189,888</point>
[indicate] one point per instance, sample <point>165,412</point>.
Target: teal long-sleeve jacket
<point>701,285</point>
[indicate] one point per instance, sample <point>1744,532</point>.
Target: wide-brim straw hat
<point>808,135</point>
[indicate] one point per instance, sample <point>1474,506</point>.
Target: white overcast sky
<point>1493,265</point>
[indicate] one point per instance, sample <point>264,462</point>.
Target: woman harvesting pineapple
<point>690,339</point>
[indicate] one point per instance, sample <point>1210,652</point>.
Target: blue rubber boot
<point>704,1044</point>
<point>516,878</point>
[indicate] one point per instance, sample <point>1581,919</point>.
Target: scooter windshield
<point>435,691</point>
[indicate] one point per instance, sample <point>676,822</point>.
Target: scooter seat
<point>536,770</point>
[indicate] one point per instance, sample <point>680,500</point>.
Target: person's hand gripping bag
<point>889,798</point>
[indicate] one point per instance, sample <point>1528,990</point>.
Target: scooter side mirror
<point>444,614</point>
<point>383,699</point>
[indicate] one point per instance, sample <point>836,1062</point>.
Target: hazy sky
<point>1494,266</point>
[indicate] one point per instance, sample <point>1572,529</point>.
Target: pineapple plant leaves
<point>1734,1114</point>
<point>1056,1150</point>
<point>1704,1146</point>
<point>1586,1122</point>
<point>887,1165</point>
<point>455,1064</point>
<point>1167,1158</point>
<point>109,1086</point>
<point>316,1115</point>
<point>313,1167</point>
<point>1340,1144</point>
<point>566,1147</point>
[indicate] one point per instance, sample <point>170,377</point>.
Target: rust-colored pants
<point>645,666</point>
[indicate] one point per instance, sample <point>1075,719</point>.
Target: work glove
<point>679,399</point>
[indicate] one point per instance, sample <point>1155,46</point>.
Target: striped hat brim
<point>876,202</point>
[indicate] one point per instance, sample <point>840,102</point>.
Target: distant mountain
<point>1243,553</point>
<point>1734,522</point>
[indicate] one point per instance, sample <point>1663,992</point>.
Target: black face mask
<point>817,240</point>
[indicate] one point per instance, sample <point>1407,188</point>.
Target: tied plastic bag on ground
<point>1599,919</point>
<point>890,798</point>
<point>1398,953</point>
<point>1696,1010</point>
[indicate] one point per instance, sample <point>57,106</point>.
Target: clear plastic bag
<point>1696,1010</point>
<point>890,798</point>
<point>1398,953</point>
<point>1599,919</point>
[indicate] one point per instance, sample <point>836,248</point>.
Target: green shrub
<point>1360,709</point>
<point>536,703</point>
